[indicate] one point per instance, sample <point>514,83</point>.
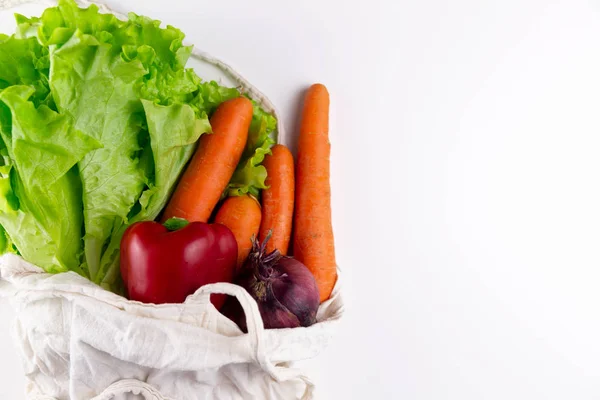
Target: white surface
<point>465,181</point>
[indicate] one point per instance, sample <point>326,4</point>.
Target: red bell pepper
<point>159,265</point>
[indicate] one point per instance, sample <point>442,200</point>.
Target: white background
<point>466,185</point>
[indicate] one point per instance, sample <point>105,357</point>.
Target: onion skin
<point>285,290</point>
<point>294,291</point>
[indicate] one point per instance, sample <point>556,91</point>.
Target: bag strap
<point>122,387</point>
<point>131,386</point>
<point>256,331</point>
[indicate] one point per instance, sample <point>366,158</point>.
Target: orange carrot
<point>278,199</point>
<point>313,233</point>
<point>213,163</point>
<point>242,215</point>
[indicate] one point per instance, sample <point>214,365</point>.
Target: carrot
<point>242,215</point>
<point>278,199</point>
<point>213,163</point>
<point>313,233</point>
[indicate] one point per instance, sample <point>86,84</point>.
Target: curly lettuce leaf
<point>166,43</point>
<point>163,54</point>
<point>95,88</point>
<point>99,76</point>
<point>23,233</point>
<point>6,244</point>
<point>58,24</point>
<point>210,95</point>
<point>249,177</point>
<point>173,130</point>
<point>25,62</point>
<point>167,86</point>
<point>41,191</point>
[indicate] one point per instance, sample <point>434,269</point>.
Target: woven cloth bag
<point>78,341</point>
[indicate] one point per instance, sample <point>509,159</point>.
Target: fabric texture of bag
<point>79,341</point>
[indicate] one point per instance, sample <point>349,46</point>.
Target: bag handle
<point>256,331</point>
<point>254,322</point>
<point>131,386</point>
<point>121,387</point>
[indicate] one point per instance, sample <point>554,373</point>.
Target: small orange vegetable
<point>278,199</point>
<point>242,215</point>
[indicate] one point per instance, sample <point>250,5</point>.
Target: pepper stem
<point>174,224</point>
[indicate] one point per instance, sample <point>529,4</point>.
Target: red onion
<point>284,288</point>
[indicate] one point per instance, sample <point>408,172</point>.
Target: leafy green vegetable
<point>94,87</point>
<point>250,175</point>
<point>42,192</point>
<point>211,95</point>
<point>58,24</point>
<point>25,62</point>
<point>173,132</point>
<point>98,119</point>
